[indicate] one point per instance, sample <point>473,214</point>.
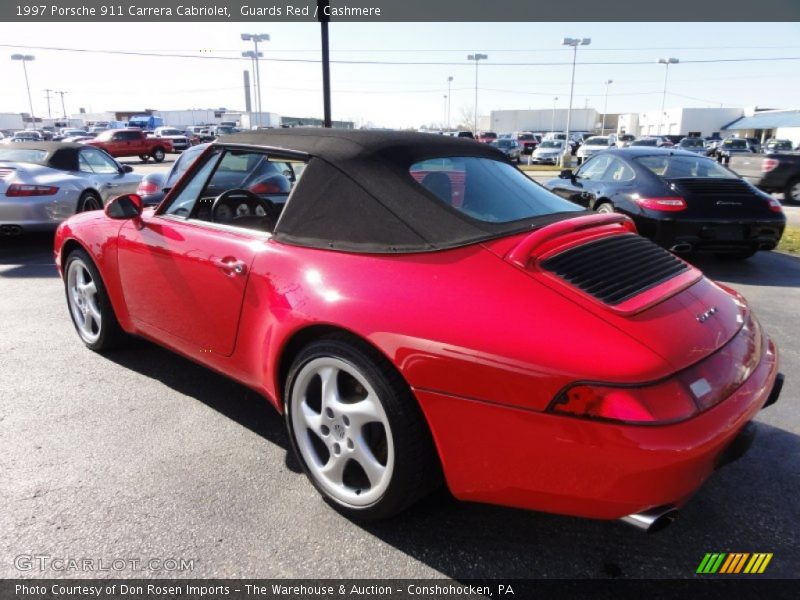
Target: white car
<point>548,152</point>
<point>593,145</point>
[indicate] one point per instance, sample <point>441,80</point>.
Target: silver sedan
<point>43,183</point>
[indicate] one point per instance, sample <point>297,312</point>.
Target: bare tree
<point>466,117</point>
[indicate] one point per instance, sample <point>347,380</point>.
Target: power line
<point>398,63</point>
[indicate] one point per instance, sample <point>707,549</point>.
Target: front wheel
<point>144,157</point>
<point>89,201</point>
<point>158,155</point>
<point>357,429</point>
<point>89,306</point>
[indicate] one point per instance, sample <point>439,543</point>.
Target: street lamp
<point>574,43</point>
<point>553,120</point>
<point>446,97</point>
<point>666,62</point>
<point>26,58</point>
<point>255,55</point>
<point>605,108</point>
<point>449,81</point>
<point>476,58</point>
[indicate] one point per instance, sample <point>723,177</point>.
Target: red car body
<point>131,142</point>
<point>485,362</point>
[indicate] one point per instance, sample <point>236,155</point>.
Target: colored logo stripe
<point>725,563</point>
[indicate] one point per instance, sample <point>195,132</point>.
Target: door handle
<point>112,185</point>
<point>231,266</point>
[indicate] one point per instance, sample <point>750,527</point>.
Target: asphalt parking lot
<point>141,454</point>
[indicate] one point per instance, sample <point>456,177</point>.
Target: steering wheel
<point>227,207</point>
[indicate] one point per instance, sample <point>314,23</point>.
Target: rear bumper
<point>713,236</point>
<point>502,455</point>
<point>42,213</point>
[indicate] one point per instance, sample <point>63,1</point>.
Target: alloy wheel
<point>342,431</point>
<point>82,297</point>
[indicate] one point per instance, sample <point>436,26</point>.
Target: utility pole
<point>477,58</point>
<point>605,107</point>
<point>449,81</point>
<point>63,106</point>
<point>553,120</point>
<point>47,95</point>
<point>445,107</point>
<point>255,55</point>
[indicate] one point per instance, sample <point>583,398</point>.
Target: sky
<point>398,95</point>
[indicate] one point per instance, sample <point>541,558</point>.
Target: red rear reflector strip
<point>19,189</point>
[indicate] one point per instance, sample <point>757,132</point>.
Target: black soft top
<point>357,194</point>
<point>60,155</point>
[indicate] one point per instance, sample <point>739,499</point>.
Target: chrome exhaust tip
<point>682,247</point>
<point>653,520</point>
<point>10,230</point>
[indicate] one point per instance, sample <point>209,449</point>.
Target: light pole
<point>449,81</point>
<point>553,120</point>
<point>605,108</point>
<point>477,58</point>
<point>63,106</point>
<point>26,58</point>
<point>574,43</point>
<point>255,55</point>
<point>445,106</point>
<point>47,95</point>
<point>666,62</point>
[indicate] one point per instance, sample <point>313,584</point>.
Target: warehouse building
<point>543,120</point>
<point>766,124</point>
<point>700,122</point>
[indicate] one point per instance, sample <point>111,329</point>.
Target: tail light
<point>691,391</point>
<point>20,189</point>
<point>266,187</point>
<point>666,204</point>
<point>769,164</point>
<point>146,188</point>
<point>774,205</point>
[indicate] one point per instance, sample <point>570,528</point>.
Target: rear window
<point>597,141</point>
<point>22,155</point>
<point>738,144</point>
<point>684,167</point>
<point>487,190</point>
<point>692,143</point>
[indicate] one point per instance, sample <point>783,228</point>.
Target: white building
<point>544,120</point>
<point>679,121</point>
<point>766,124</point>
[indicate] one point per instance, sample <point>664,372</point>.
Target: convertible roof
<point>60,155</point>
<point>357,194</point>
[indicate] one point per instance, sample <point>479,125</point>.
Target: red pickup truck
<point>132,142</point>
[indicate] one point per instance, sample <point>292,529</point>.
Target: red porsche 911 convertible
<point>421,310</point>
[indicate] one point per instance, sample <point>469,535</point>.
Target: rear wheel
<point>792,193</point>
<point>89,201</point>
<point>89,306</point>
<point>144,157</point>
<point>357,429</point>
<point>604,207</point>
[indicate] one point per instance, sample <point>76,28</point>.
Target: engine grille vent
<point>616,268</point>
<point>5,172</point>
<point>715,187</point>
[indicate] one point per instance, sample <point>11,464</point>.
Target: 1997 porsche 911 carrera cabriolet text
<point>420,311</point>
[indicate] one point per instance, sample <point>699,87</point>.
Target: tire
<point>158,154</point>
<point>370,422</point>
<point>604,207</point>
<point>792,192</point>
<point>144,157</point>
<point>89,200</point>
<point>738,255</point>
<point>88,304</point>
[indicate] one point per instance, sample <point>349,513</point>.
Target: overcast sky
<point>402,95</point>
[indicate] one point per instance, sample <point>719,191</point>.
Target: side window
<point>594,168</point>
<point>84,165</point>
<point>618,171</point>
<point>184,202</point>
<point>98,162</point>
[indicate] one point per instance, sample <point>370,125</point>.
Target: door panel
<point>187,280</point>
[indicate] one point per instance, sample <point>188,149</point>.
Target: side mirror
<point>566,174</point>
<point>126,169</point>
<point>128,206</point>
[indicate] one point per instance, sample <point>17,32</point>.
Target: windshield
<point>22,155</point>
<point>644,143</point>
<point>627,138</point>
<point>692,143</point>
<point>597,141</point>
<point>551,144</point>
<point>170,132</point>
<point>503,143</point>
<point>684,167</point>
<point>736,144</point>
<point>487,190</point>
